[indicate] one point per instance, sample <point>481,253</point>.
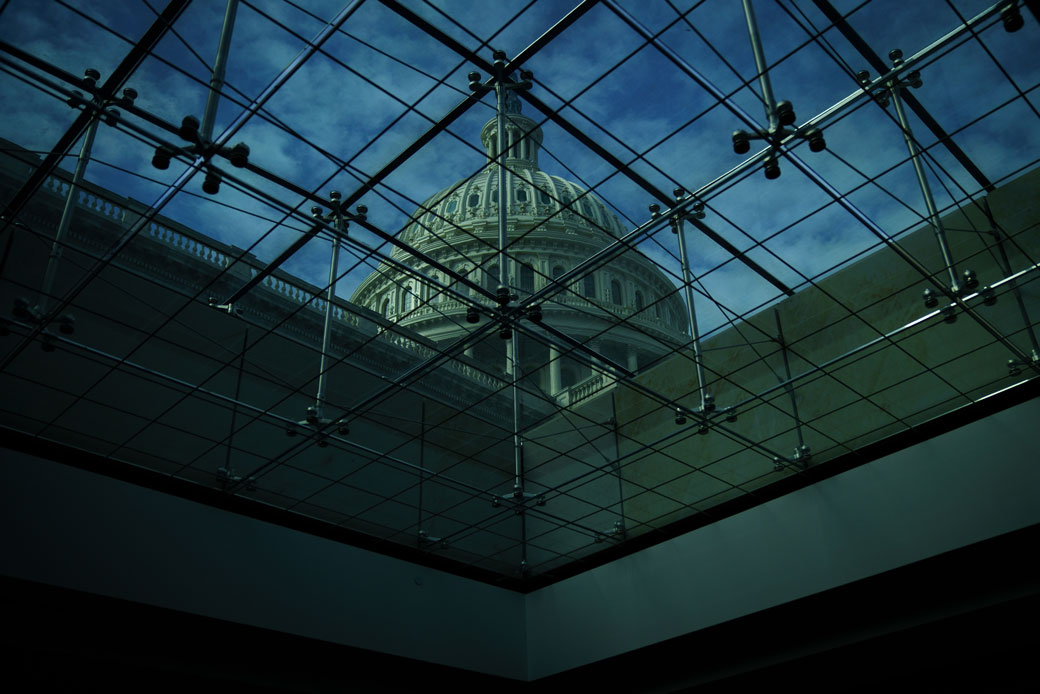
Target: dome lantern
<point>523,137</point>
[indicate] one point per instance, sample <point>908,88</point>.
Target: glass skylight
<point>856,268</point>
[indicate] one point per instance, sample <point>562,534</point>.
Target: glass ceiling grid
<point>559,454</point>
<point>360,176</point>
<point>569,104</point>
<point>149,336</point>
<point>573,468</point>
<point>569,206</point>
<point>291,315</point>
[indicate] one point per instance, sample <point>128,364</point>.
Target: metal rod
<point>216,81</point>
<point>500,124</point>
<point>523,539</point>
<point>908,258</point>
<point>66,217</point>
<point>422,467</point>
<point>234,403</point>
<point>691,313</point>
<point>117,79</point>
<point>504,297</point>
<point>926,190</point>
<point>816,178</point>
<point>998,234</point>
<point>514,361</point>
<point>814,369</point>
<point>330,299</point>
<point>880,338</point>
<point>840,23</point>
<point>617,456</point>
<point>760,65</point>
<point>500,143</point>
<point>377,456</point>
<point>789,386</point>
<point>175,187</point>
<point>440,126</point>
<point>553,114</point>
<point>504,292</point>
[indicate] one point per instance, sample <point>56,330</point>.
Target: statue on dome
<point>513,102</point>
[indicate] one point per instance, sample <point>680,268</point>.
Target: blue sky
<point>641,106</point>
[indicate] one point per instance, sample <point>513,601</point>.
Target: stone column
<point>633,359</point>
<point>555,381</point>
<point>599,347</point>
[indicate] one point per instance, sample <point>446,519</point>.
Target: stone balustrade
<point>185,241</point>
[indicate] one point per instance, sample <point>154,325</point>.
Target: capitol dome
<point>628,310</point>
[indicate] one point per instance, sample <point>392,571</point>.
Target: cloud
<point>644,106</point>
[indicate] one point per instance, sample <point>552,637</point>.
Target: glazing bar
<point>821,182</point>
<point>188,173</point>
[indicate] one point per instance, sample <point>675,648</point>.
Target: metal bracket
<point>227,477</point>
<point>201,146</point>
<point>426,540</point>
<point>32,314</point>
<point>616,533</point>
<point>519,501</point>
<point>779,113</point>
<point>1015,365</point>
<point>799,459</point>
<point>316,423</point>
<point>224,308</point>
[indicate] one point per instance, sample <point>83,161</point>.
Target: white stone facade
<point>552,225</point>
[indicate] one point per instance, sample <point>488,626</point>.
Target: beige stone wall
<point>884,386</point>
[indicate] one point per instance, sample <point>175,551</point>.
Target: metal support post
<point>895,86</point>
<point>422,475</point>
<point>618,530</point>
<point>330,300</point>
<point>522,512</point>
<point>514,375</point>
<point>98,110</point>
<point>66,216</point>
<point>316,416</point>
<point>617,462</point>
<point>802,452</point>
<point>503,295</point>
<point>707,400</point>
<point>424,539</point>
<point>678,228</point>
<point>226,475</point>
<point>1005,265</point>
<point>760,65</point>
<point>1014,364</point>
<point>216,81</point>
<point>779,115</point>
